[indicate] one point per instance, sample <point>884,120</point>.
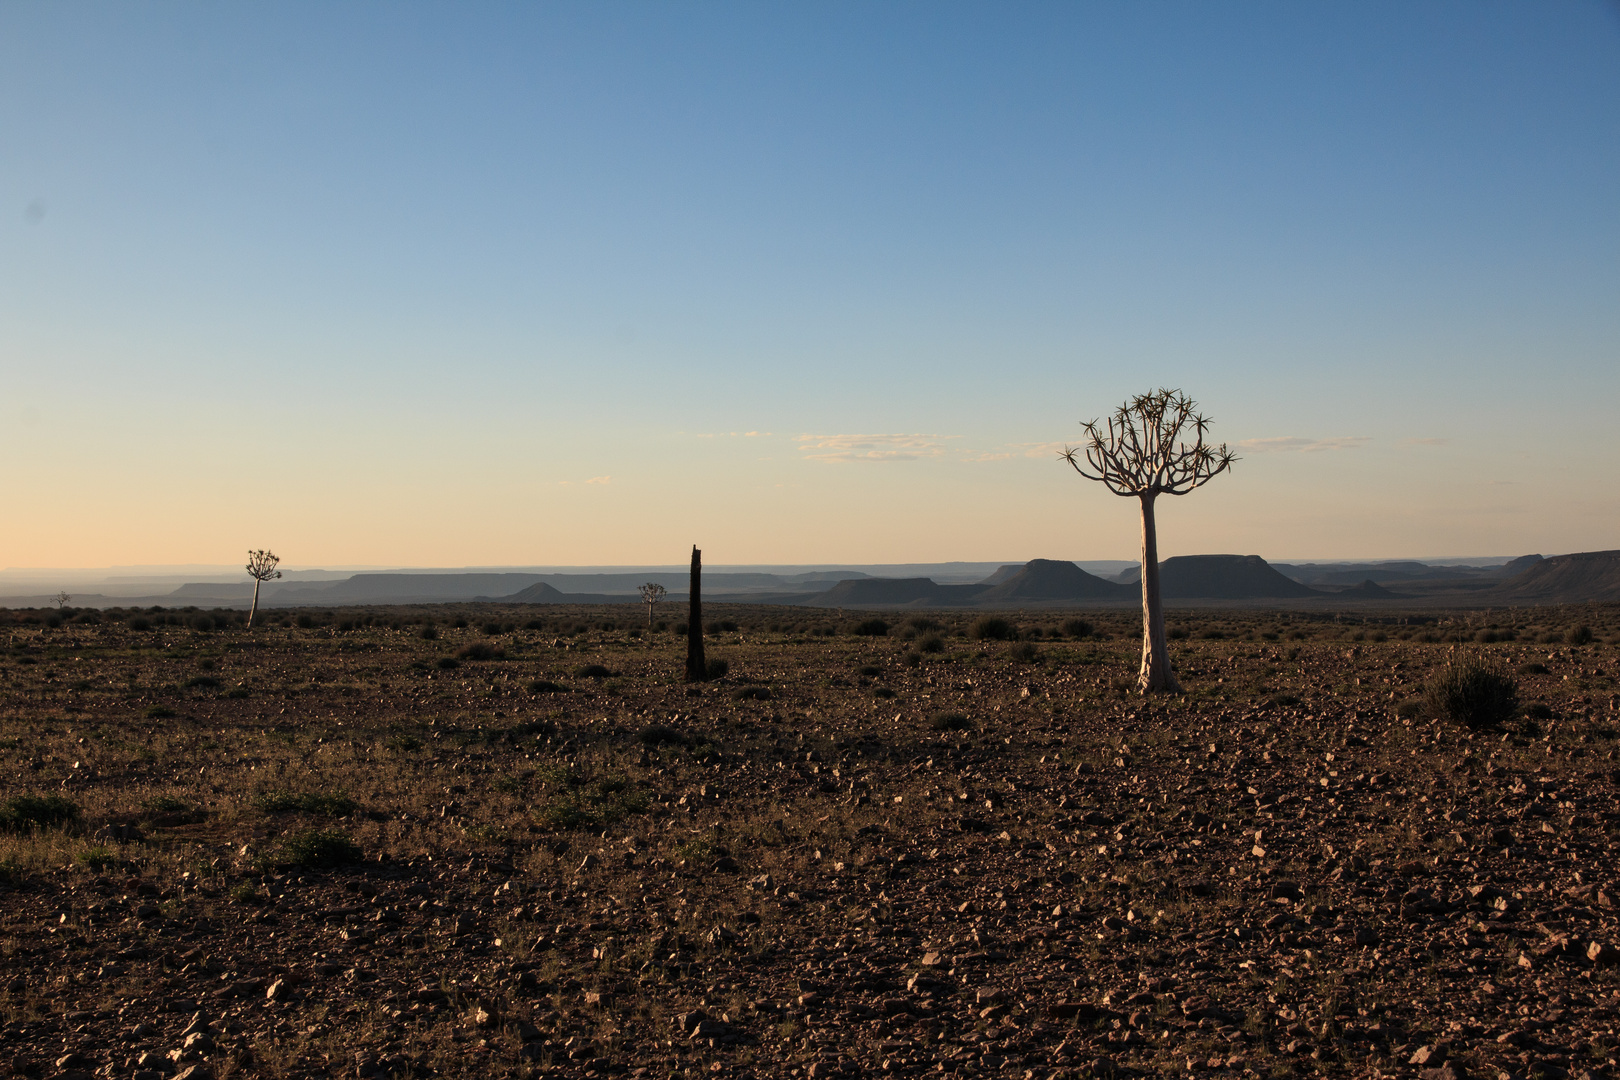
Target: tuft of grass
<point>159,712</point>
<point>931,643</point>
<point>1472,692</point>
<point>717,669</point>
<point>319,848</point>
<point>407,744</point>
<point>872,628</point>
<point>22,813</point>
<point>594,671</point>
<point>320,803</point>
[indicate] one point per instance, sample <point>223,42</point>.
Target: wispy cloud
<point>731,434</point>
<point>841,448</point>
<point>1298,445</point>
<point>600,480</point>
<point>1427,441</point>
<point>1016,450</point>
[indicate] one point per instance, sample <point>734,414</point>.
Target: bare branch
<point>1146,450</point>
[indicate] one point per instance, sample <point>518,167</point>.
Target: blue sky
<point>394,284</point>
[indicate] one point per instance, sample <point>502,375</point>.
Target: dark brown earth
<point>916,854</point>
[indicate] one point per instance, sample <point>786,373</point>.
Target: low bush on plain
<point>318,803</point>
<point>661,735</point>
<point>594,671</point>
<point>316,848</point>
<point>21,813</point>
<point>931,643</point>
<point>992,628</point>
<point>950,722</point>
<point>1025,652</point>
<point>480,650</point>
<point>1077,628</point>
<point>871,628</point>
<point>1471,692</point>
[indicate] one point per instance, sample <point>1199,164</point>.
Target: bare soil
<point>325,850</point>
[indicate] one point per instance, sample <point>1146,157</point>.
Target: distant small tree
<point>1145,453</point>
<point>261,567</point>
<point>62,600</point>
<point>651,594</point>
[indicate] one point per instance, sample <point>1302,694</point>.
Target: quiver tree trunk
<point>254,610</point>
<point>697,669</point>
<point>1155,675</point>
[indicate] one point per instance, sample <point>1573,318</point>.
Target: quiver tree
<point>697,669</point>
<point>651,594</point>
<point>1145,452</point>
<point>261,567</point>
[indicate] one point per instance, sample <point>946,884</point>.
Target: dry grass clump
<point>1471,692</point>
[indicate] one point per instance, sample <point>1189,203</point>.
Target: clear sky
<point>462,284</point>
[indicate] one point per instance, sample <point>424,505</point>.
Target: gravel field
<point>384,844</point>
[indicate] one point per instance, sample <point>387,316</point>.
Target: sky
<point>416,284</point>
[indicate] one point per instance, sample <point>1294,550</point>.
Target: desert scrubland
<point>480,840</point>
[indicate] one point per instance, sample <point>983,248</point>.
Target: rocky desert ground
<point>472,840</point>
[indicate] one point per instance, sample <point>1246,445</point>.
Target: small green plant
<point>22,813</point>
<point>582,805</point>
<point>159,712</point>
<point>319,848</point>
<point>320,803</point>
<point>245,894</point>
<point>716,669</point>
<point>1579,635</point>
<point>405,744</point>
<point>480,650</point>
<point>931,643</point>
<point>203,682</point>
<point>1471,692</point>
<point>96,858</point>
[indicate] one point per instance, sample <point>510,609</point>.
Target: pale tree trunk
<point>254,610</point>
<point>1155,676</point>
